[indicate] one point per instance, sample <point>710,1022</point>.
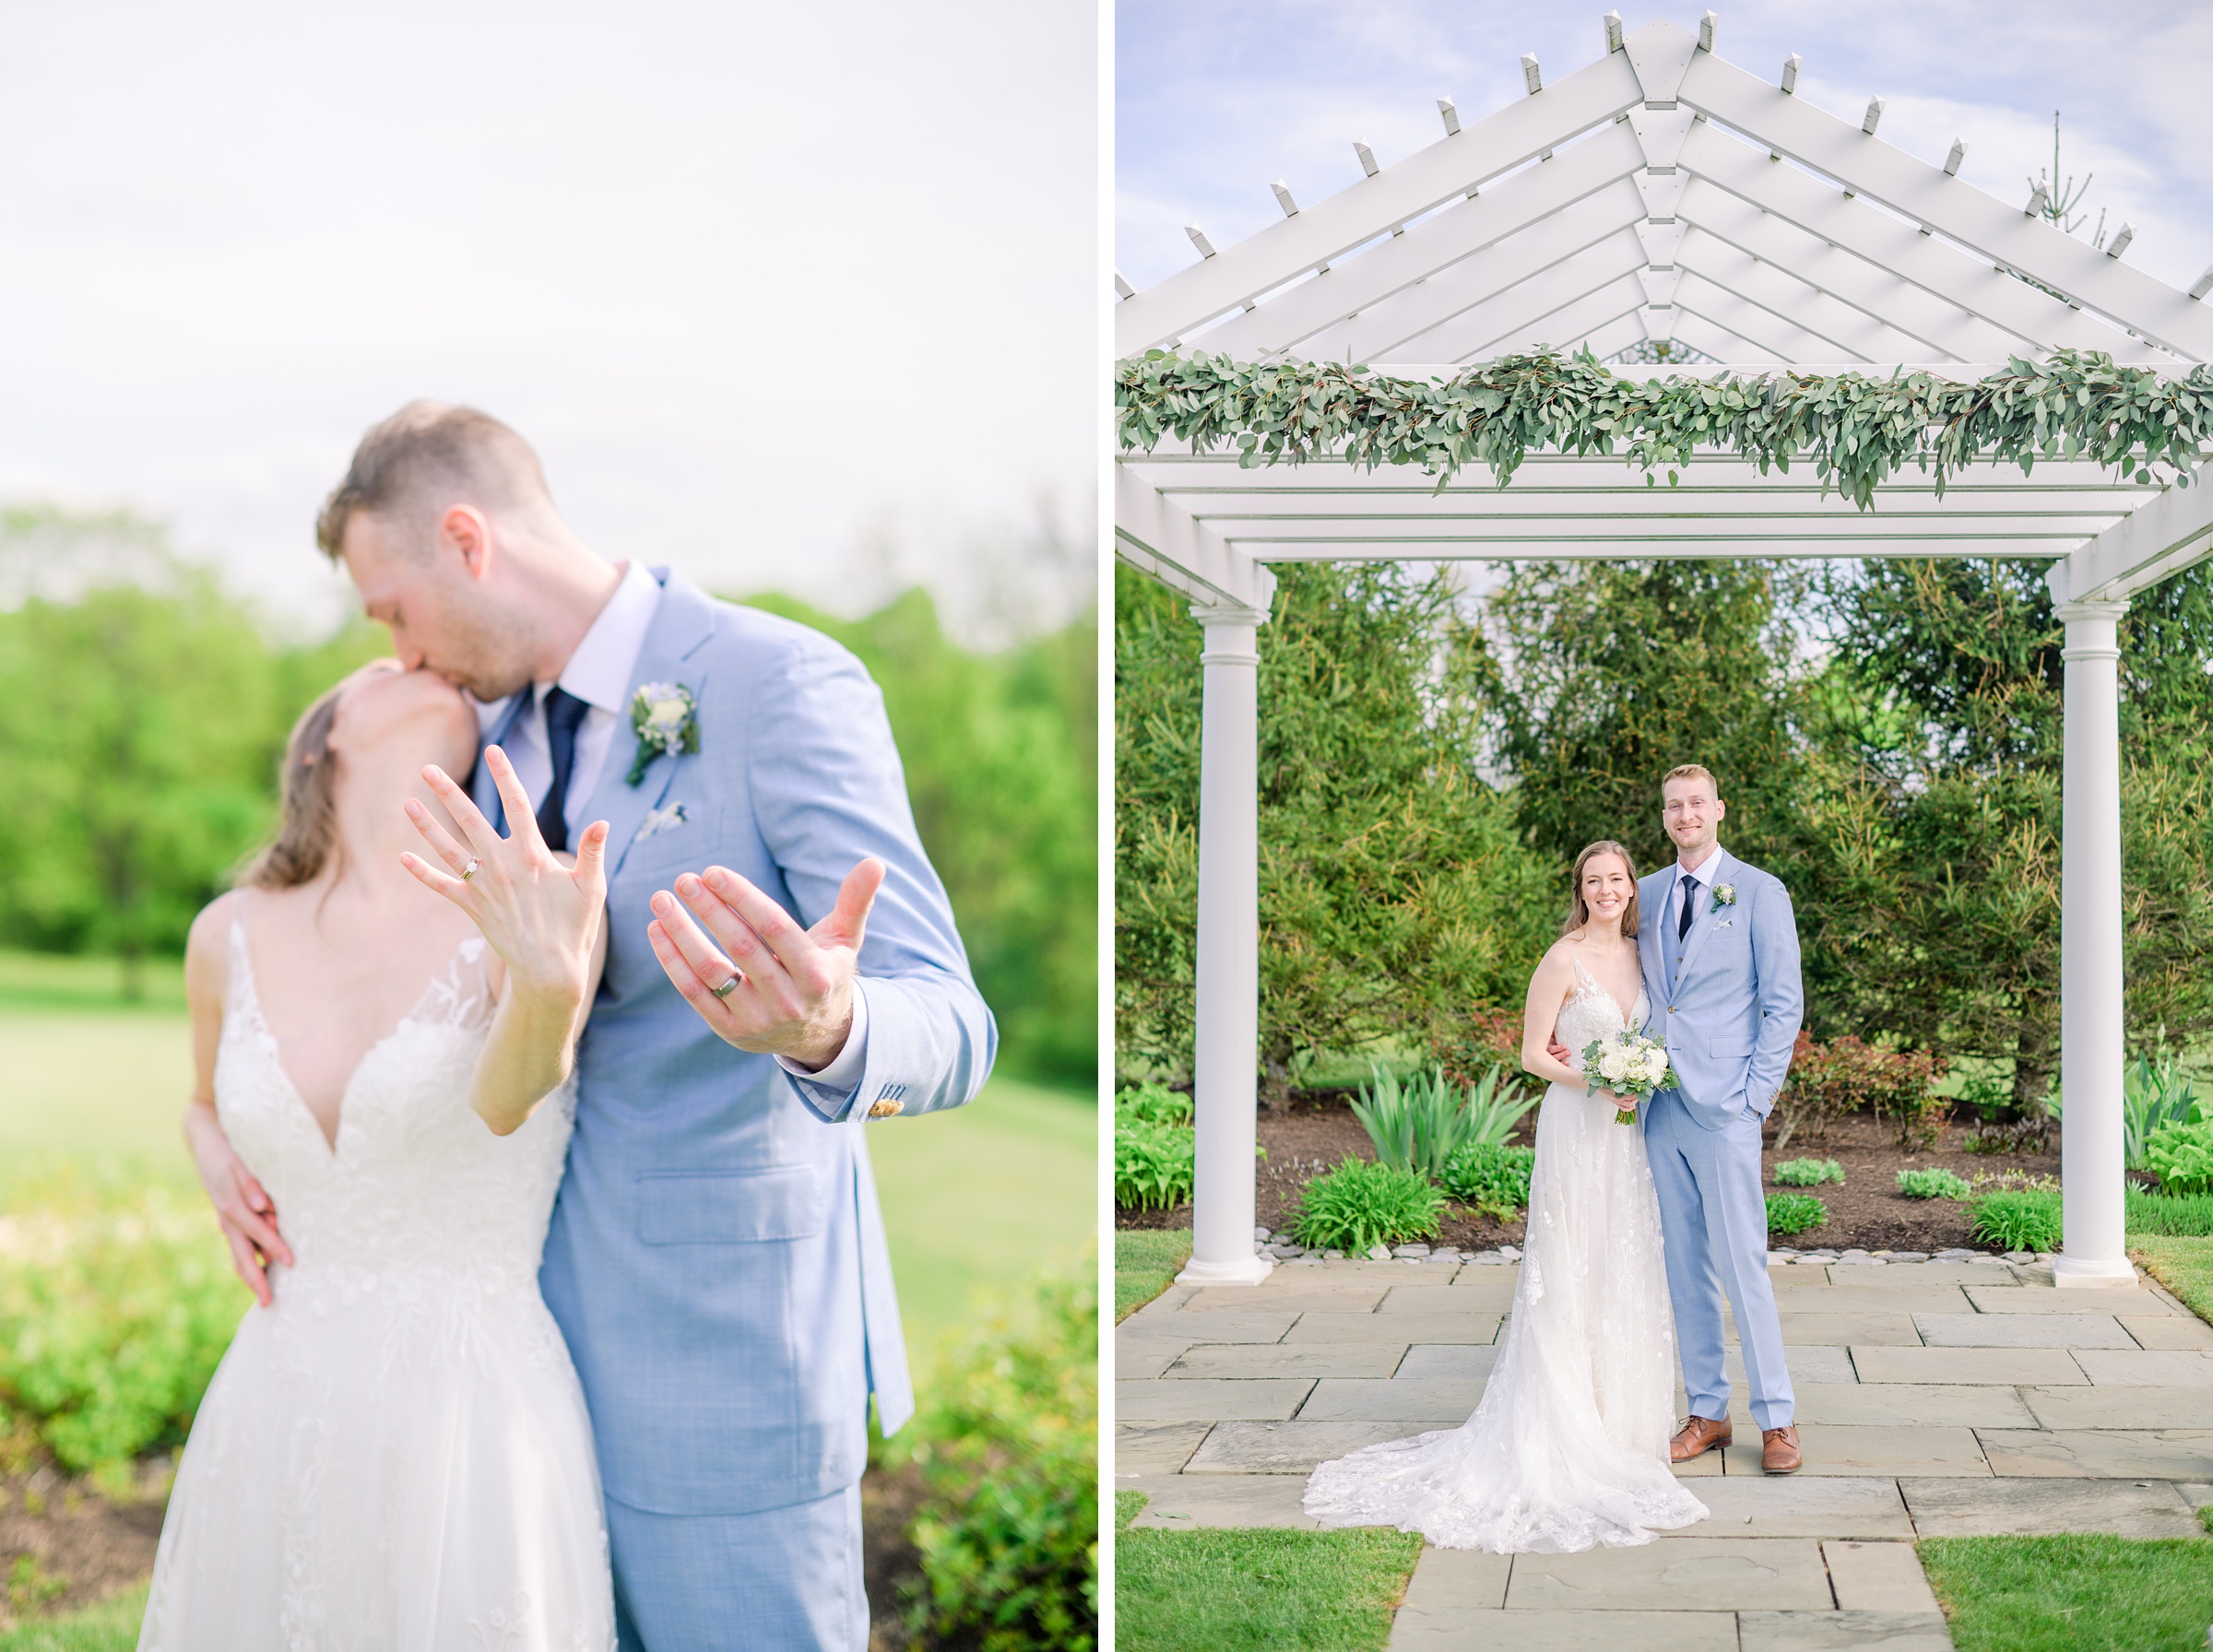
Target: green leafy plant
<point>1491,1176</point>
<point>1152,1103</point>
<point>1360,1204</point>
<point>2026,1220</point>
<point>1006,1443</point>
<point>1154,1164</point>
<point>1420,1122</point>
<point>1790,1213</point>
<point>2154,1094</point>
<point>2182,1157</point>
<point>1495,1105</point>
<point>1934,1182</point>
<point>1808,1172</point>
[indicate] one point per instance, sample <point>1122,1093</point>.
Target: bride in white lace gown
<point>1568,1445</point>
<point>395,1452</point>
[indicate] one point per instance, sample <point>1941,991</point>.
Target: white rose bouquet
<point>1628,1064</point>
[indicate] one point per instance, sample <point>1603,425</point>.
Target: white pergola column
<point>1227,1056</point>
<point>2090,1043</point>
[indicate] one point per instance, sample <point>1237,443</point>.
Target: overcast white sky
<point>729,266</point>
<point>1216,100</point>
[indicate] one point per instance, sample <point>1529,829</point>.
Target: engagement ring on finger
<point>471,870</point>
<point>727,987</point>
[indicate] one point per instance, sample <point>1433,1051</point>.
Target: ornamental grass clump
<point>1360,1205</point>
<point>2027,1219</point>
<point>1808,1172</point>
<point>1492,1177</point>
<point>2177,1215</point>
<point>1935,1182</point>
<point>1790,1213</point>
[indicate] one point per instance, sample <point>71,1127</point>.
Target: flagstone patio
<point>1933,1399</point>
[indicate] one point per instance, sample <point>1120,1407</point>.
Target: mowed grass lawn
<point>978,1198</point>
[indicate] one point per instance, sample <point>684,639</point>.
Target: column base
<point>1246,1270</point>
<point>2068,1271</point>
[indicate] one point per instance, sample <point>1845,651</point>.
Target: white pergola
<point>1664,194</point>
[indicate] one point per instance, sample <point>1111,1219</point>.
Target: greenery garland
<point>1856,432</point>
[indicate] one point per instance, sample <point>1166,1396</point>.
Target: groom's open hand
<point>789,990</point>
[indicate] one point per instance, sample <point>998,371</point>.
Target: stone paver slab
<point>2045,1367</point>
<point>1843,1631</point>
<point>1912,1405</point>
<point>1135,1358</point>
<point>1295,1447</point>
<point>1991,1299</point>
<point>1219,1325</point>
<point>1155,1447</point>
<point>1394,1399</point>
<point>1184,1501</point>
<point>1488,1276</point>
<point>1246,1360</point>
<point>1446,1629</point>
<point>1167,1301</point>
<point>1884,1299</point>
<point>1250,1299</point>
<point>1324,1326</point>
<point>1764,1505</point>
<point>1878,1578</point>
<point>1957,1508</point>
<point>1681,1574</point>
<point>1843,1330</point>
<point>2145,1368</point>
<point>2169,1330</point>
<point>1459,1579</point>
<point>1442,1301</point>
<point>2022,1331</point>
<point>1201,1401</point>
<point>2117,1454</point>
<point>1810,1363</point>
<point>1866,1450</point>
<point>1922,1276</point>
<point>1451,1362</point>
<point>2121,1406</point>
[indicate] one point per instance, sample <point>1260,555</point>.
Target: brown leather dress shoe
<point>1779,1449</point>
<point>1697,1437</point>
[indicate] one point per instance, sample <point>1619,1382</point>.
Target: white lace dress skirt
<point>1568,1448</point>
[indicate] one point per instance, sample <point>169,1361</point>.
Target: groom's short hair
<point>423,451</point>
<point>1690,772</point>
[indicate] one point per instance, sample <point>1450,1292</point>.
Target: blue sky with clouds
<point>1215,99</point>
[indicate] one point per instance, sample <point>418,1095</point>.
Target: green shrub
<point>1359,1205</point>
<point>1935,1182</point>
<point>2024,1220</point>
<point>1152,1103</point>
<point>1491,1177</point>
<point>2153,1095</point>
<point>2184,1215</point>
<point>1808,1172</point>
<point>1829,1081</point>
<point>116,1303</point>
<point>1790,1213</point>
<point>2182,1157</point>
<point>1007,1445</point>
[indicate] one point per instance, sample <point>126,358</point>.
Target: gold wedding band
<point>471,870</point>
<point>727,987</point>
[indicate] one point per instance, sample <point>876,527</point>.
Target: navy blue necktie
<point>564,713</point>
<point>1691,901</point>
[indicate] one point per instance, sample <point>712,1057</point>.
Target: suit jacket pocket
<point>710,1207</point>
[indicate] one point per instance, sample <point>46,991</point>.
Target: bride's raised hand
<point>541,916</point>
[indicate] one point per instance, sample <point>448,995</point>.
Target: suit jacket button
<point>886,1109</point>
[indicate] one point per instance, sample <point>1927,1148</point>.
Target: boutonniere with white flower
<point>1724,894</point>
<point>666,719</point>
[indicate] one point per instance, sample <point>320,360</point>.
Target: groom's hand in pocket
<point>785,990</point>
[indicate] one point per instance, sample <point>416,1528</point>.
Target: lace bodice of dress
<point>417,1194</point>
<point>1591,1013</point>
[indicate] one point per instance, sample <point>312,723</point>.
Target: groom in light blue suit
<point>1720,949</point>
<point>716,1259</point>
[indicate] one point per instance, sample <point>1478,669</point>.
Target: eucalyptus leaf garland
<point>1854,431</point>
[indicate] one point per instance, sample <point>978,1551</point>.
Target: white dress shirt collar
<point>598,672</point>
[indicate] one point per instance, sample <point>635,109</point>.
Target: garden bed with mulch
<point>1316,1131</point>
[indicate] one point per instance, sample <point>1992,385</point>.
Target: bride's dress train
<point>394,1454</point>
<point>1569,1446</point>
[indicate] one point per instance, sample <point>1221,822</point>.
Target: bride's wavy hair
<point>1578,910</point>
<point>307,824</point>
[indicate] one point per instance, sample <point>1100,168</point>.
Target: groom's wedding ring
<point>471,870</point>
<point>730,986</point>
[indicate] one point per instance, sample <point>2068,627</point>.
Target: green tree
<point>1395,891</point>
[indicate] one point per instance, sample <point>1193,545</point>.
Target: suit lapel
<point>684,620</point>
<point>482,792</point>
<point>1716,874</point>
<point>1649,930</point>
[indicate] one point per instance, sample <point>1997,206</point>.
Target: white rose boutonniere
<point>1724,894</point>
<point>666,719</point>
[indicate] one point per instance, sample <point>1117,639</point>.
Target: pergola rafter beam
<point>2162,537</point>
<point>1783,292</point>
<point>1154,533</point>
<point>1781,339</point>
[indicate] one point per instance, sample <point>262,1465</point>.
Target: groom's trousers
<point>1713,1214</point>
<point>781,1580</point>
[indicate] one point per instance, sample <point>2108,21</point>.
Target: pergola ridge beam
<point>1925,195</point>
<point>2161,536</point>
<point>1163,534</point>
<point>1399,193</point>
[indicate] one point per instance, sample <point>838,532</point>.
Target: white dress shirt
<point>1690,881</point>
<point>598,673</point>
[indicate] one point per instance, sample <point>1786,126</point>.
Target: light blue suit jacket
<point>1727,999</point>
<point>716,1258</point>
